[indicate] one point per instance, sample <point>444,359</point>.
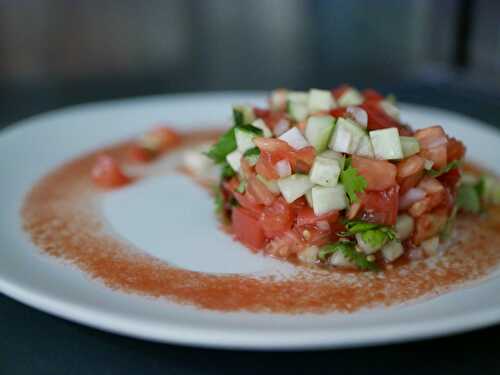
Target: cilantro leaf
<point>227,170</point>
<point>375,238</point>
<point>238,117</point>
<point>252,152</point>
<point>218,200</point>
<point>353,182</point>
<point>349,251</point>
<point>225,145</point>
<point>358,226</point>
<point>250,128</point>
<point>438,172</point>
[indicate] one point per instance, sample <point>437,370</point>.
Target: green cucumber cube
<point>365,148</point>
<point>245,112</point>
<point>386,144</point>
<point>410,146</point>
<point>260,124</point>
<point>326,199</point>
<point>350,97</point>
<point>271,185</point>
<point>234,160</point>
<point>294,186</point>
<point>325,172</point>
<point>319,131</point>
<point>244,140</point>
<point>346,137</point>
<point>320,100</point>
<point>298,110</point>
<point>330,154</point>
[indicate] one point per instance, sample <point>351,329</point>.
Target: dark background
<point>55,53</point>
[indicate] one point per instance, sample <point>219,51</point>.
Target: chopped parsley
<point>348,249</point>
<point>438,172</point>
<point>224,146</point>
<point>352,181</point>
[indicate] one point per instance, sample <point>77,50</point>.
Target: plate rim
<point>231,339</point>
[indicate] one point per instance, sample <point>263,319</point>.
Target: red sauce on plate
<point>62,215</point>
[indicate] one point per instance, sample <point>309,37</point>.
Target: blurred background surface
<point>59,52</point>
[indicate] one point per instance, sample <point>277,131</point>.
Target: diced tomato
<point>339,91</point>
<point>261,112</point>
<point>272,145</point>
<point>372,95</point>
<point>265,166</point>
<point>314,236</point>
<point>166,137</point>
<point>290,242</point>
<point>338,112</point>
<point>450,179</point>
<point>246,169</point>
<point>433,145</point>
<point>141,154</point>
<point>107,173</point>
<point>306,216</point>
<point>303,159</point>
<point>276,218</point>
<point>455,149</point>
<point>429,225</point>
<point>378,119</point>
<point>410,166</point>
<point>298,204</point>
<point>380,206</point>
<point>247,229</point>
<point>231,184</point>
<point>249,202</point>
<point>379,174</point>
<point>409,182</point>
<point>335,229</point>
<point>259,191</point>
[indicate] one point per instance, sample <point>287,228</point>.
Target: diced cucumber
<point>244,140</point>
<point>252,159</point>
<point>294,138</point>
<point>330,154</point>
<point>234,160</point>
<point>298,97</point>
<point>409,145</point>
<point>325,172</point>
<point>390,109</point>
<point>319,131</point>
<point>366,247</point>
<point>271,185</point>
<point>404,226</point>
<point>359,115</point>
<point>298,110</point>
<point>392,251</point>
<point>243,114</point>
<point>260,124</point>
<point>346,136</point>
<point>326,199</point>
<point>320,100</point>
<point>309,198</point>
<point>386,144</point>
<point>350,97</point>
<point>365,147</point>
<point>278,100</point>
<point>294,186</point>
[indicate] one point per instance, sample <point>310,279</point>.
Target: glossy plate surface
<point>34,146</point>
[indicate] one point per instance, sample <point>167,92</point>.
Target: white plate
<point>36,145</point>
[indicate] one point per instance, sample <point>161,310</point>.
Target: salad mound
<point>335,178</point>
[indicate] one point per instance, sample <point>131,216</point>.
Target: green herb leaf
<point>375,238</point>
<point>374,235</point>
<point>241,187</point>
<point>227,171</point>
<point>250,128</point>
<point>353,182</point>
<point>349,251</point>
<point>238,117</point>
<point>438,172</point>
<point>225,145</point>
<point>252,152</point>
<point>358,226</point>
<point>218,200</point>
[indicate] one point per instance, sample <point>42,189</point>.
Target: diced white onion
<point>283,168</point>
<point>323,225</point>
<point>359,115</point>
<point>428,164</point>
<point>294,138</point>
<point>411,196</point>
<point>282,126</point>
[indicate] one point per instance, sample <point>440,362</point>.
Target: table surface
<point>32,342</point>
